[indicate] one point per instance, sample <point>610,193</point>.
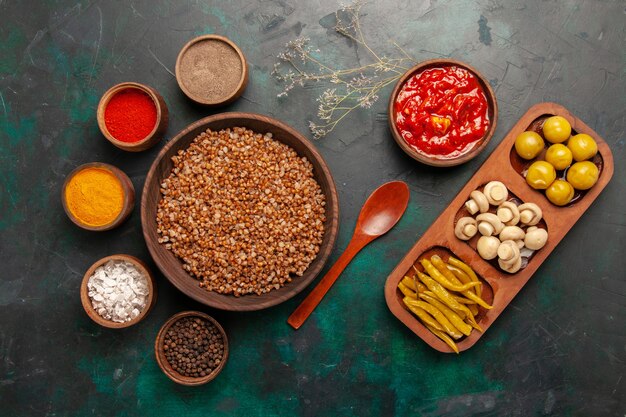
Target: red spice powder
<point>130,115</point>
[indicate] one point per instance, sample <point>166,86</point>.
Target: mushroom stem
<point>465,228</point>
<point>530,214</point>
<point>486,229</point>
<point>477,203</point>
<point>526,216</point>
<point>509,257</point>
<point>471,206</point>
<point>508,213</point>
<point>489,224</point>
<point>508,252</point>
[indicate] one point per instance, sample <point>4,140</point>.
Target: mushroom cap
<point>481,200</point>
<point>465,228</point>
<point>508,213</point>
<point>511,269</point>
<point>535,238</point>
<point>496,192</point>
<point>508,253</point>
<point>492,220</point>
<point>530,214</point>
<point>487,247</point>
<point>512,233</point>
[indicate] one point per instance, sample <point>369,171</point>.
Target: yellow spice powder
<point>94,196</point>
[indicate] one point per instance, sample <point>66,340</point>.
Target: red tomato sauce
<point>442,112</point>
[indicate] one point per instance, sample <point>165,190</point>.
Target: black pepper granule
<point>193,346</point>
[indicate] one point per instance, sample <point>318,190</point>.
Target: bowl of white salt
<point>118,291</point>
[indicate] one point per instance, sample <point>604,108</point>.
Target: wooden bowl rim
<point>86,301</point>
<point>332,212</point>
<point>242,81</point>
<point>491,102</point>
<point>165,365</point>
<point>127,186</point>
<point>108,95</point>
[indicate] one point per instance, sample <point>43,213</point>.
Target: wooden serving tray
<point>501,287</point>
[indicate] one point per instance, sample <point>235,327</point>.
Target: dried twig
<point>299,64</point>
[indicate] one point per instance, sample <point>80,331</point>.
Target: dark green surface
<point>559,348</point>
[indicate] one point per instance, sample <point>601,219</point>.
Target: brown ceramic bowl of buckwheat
<point>239,211</point>
<point>191,348</point>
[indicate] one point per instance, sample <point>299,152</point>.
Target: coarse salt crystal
<point>118,291</point>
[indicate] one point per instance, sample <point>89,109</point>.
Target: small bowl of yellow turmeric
<point>98,196</point>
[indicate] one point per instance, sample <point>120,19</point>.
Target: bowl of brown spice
<point>239,211</point>
<point>211,70</point>
<point>191,348</point>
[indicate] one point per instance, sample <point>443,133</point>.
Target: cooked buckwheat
<point>242,211</point>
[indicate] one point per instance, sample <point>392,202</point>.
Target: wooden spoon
<point>379,214</point>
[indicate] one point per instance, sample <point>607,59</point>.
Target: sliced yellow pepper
<point>459,274</point>
<point>463,300</point>
<point>472,321</point>
<point>443,294</point>
<point>443,280</point>
<point>469,294</point>
<point>438,315</point>
<point>444,337</point>
<point>407,291</point>
<point>479,301</point>
<point>469,271</point>
<point>422,315</point>
<point>454,318</point>
<point>413,284</point>
<point>473,308</point>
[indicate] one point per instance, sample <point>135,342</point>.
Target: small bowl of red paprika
<point>132,116</point>
<point>442,112</point>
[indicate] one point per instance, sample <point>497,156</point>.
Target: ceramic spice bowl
<point>87,302</point>
<point>435,160</point>
<point>133,110</point>
<point>211,70</point>
<point>105,170</point>
<point>160,349</point>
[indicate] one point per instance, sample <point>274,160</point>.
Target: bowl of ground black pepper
<point>211,70</point>
<point>191,348</point>
<point>132,116</point>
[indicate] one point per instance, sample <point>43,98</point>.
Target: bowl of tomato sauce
<point>442,112</point>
